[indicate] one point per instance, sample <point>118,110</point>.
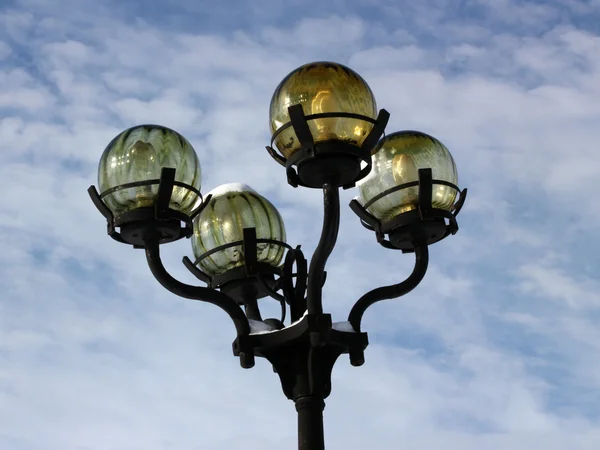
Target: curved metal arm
<point>273,294</point>
<point>204,294</point>
<point>331,226</point>
<point>271,291</point>
<point>393,291</point>
<point>294,294</point>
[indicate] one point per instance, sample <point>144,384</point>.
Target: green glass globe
<point>232,208</point>
<point>396,161</point>
<point>323,87</point>
<point>139,154</point>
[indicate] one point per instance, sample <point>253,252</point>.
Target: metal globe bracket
<point>333,162</point>
<point>303,354</point>
<point>423,225</point>
<point>248,283</point>
<point>161,220</point>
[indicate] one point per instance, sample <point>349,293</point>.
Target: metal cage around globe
<point>323,87</point>
<point>232,208</point>
<point>138,154</point>
<point>396,161</point>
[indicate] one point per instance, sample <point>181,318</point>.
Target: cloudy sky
<point>498,348</point>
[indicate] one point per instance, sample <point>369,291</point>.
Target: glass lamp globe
<point>139,154</point>
<point>232,208</point>
<point>397,160</point>
<point>323,87</point>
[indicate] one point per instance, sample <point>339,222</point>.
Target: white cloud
<point>495,349</point>
<point>553,283</point>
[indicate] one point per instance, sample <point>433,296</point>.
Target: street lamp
<point>327,133</point>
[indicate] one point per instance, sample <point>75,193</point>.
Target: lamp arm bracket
<point>392,291</point>
<point>204,294</point>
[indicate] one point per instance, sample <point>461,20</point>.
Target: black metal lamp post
<point>329,136</point>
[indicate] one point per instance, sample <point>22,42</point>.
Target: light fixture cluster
<point>328,134</point>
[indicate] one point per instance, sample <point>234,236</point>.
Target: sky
<point>499,347</point>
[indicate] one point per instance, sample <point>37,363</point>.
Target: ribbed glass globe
<point>232,208</point>
<point>139,154</point>
<point>397,160</point>
<point>323,87</point>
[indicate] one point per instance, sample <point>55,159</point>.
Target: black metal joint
<point>165,191</point>
<point>357,358</point>
<point>243,349</point>
<point>425,193</point>
<point>377,131</point>
<point>200,208</point>
<point>319,326</point>
<point>300,126</point>
<point>250,249</point>
<point>247,360</point>
<point>292,177</point>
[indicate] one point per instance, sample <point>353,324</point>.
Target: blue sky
<point>497,348</point>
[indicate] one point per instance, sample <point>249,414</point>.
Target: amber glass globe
<point>232,208</point>
<point>323,87</point>
<point>139,154</point>
<point>397,160</point>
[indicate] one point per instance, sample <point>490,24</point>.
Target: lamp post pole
<point>328,136</point>
<point>310,423</point>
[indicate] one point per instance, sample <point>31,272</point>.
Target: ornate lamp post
<point>328,135</point>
